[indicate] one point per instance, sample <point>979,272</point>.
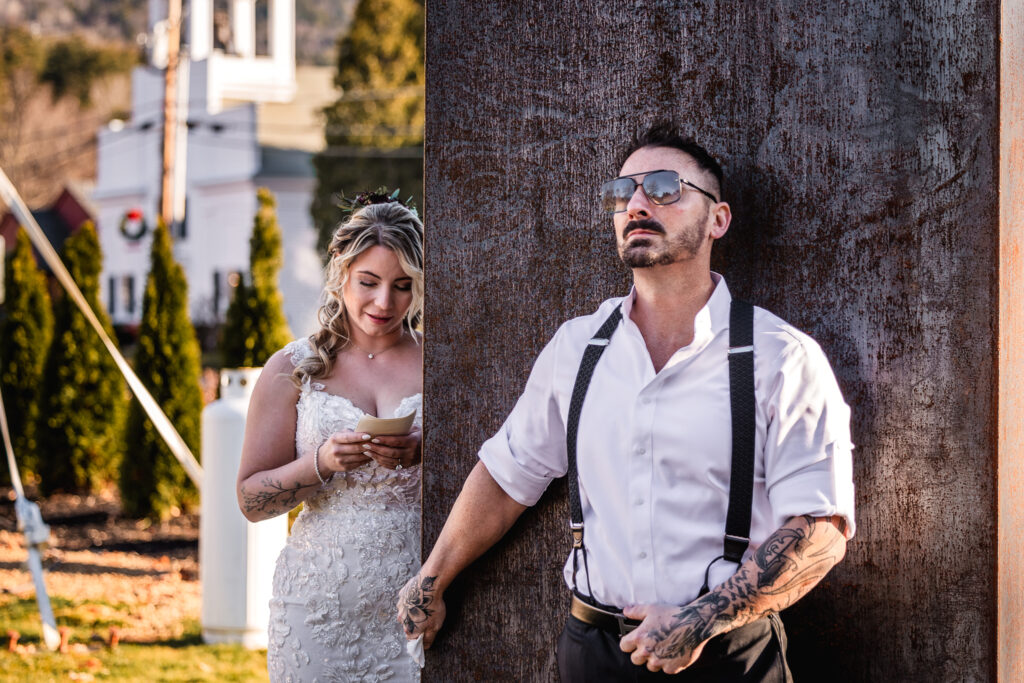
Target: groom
<point>709,464</point>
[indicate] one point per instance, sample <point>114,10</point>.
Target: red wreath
<point>133,224</point>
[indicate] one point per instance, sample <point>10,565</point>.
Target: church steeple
<point>238,66</point>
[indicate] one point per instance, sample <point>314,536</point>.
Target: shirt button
<point>639,501</point>
<point>646,401</point>
<point>642,555</point>
<point>640,451</point>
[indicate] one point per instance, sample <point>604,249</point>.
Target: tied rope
<point>163,425</point>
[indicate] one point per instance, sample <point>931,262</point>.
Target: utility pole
<point>170,112</point>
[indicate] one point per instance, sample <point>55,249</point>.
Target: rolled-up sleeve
<point>808,452</point>
<point>529,449</point>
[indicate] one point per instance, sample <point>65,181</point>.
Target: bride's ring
<point>398,466</point>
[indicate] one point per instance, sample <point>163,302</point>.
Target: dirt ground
<point>123,565</point>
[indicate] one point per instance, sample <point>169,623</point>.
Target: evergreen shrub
<point>153,483</point>
<point>25,335</point>
<point>255,326</point>
<point>83,398</point>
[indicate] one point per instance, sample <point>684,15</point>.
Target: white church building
<point>232,80</point>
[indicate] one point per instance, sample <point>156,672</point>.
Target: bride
<point>356,541</point>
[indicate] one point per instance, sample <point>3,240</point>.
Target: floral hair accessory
<point>378,196</point>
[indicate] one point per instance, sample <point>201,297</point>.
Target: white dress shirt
<point>655,449</point>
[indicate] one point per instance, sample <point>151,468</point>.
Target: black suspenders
<point>741,399</point>
<point>595,347</point>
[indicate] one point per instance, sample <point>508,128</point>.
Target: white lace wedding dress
<point>351,549</point>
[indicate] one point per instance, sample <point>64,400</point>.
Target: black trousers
<point>755,653</point>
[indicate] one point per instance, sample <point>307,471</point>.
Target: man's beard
<point>642,253</point>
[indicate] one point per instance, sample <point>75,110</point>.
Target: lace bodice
<point>321,414</point>
<point>353,546</point>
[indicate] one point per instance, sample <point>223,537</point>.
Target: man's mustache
<point>648,224</point>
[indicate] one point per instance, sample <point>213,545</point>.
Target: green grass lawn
<point>184,658</point>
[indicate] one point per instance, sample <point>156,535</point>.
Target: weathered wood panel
<point>860,142</point>
<point>1010,624</point>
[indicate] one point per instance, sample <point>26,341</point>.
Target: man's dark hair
<point>666,134</point>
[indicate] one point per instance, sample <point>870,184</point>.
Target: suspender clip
<point>577,535</point>
<point>735,546</point>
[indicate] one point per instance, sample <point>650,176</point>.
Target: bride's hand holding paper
<point>393,443</point>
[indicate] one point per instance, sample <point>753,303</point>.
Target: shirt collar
<point>717,307</point>
<point>711,319</point>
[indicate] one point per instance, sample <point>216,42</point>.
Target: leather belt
<point>613,622</point>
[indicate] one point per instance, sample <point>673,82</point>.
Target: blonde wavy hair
<point>389,225</point>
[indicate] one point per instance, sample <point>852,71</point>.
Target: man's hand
<point>669,639</point>
<point>482,514</point>
<point>783,568</point>
<point>421,609</point>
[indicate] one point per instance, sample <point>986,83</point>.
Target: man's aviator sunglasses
<point>661,187</point>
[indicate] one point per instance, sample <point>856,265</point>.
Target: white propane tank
<point>236,556</point>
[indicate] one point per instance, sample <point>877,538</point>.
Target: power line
<point>355,130</point>
<point>352,151</point>
<point>225,129</point>
<point>63,157</point>
<point>155,107</point>
<point>40,162</point>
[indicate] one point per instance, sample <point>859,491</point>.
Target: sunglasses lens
<point>662,187</point>
<point>615,194</point>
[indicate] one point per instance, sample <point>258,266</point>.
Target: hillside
<point>54,95</point>
<point>317,22</point>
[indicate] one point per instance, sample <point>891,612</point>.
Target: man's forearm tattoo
<point>777,555</point>
<point>789,563</point>
<point>274,496</point>
<point>417,598</point>
<point>789,560</point>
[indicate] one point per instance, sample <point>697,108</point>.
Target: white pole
<point>30,522</point>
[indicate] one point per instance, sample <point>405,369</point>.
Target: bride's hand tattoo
<point>416,600</point>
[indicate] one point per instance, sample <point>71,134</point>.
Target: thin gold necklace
<point>371,356</point>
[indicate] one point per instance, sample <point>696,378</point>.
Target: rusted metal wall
<point>861,143</point>
<point>1010,640</point>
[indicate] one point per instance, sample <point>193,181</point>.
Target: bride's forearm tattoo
<point>788,564</point>
<point>273,497</point>
<point>417,599</point>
